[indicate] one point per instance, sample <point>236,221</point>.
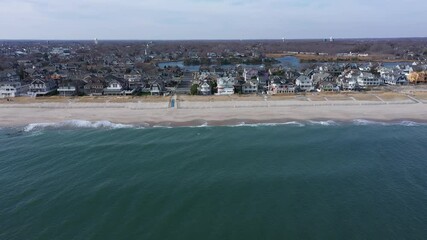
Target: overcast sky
<point>211,19</point>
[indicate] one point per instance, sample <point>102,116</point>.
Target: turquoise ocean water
<point>312,180</point>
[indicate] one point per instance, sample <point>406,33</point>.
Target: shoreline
<point>212,113</point>
<point>84,124</point>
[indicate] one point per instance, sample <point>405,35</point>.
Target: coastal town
<point>96,68</point>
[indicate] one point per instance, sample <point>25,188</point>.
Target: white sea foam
<point>34,126</point>
<point>363,122</point>
<point>162,126</point>
<point>243,124</point>
<point>411,124</point>
<point>109,125</point>
<point>205,124</point>
<point>77,124</point>
<point>324,123</point>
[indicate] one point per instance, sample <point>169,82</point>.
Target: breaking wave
<point>324,123</point>
<point>109,125</point>
<point>363,122</point>
<point>243,124</point>
<point>77,124</point>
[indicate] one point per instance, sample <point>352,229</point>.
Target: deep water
<point>298,181</point>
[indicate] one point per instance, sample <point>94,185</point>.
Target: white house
<point>365,80</point>
<point>114,87</point>
<point>304,83</point>
<point>225,85</point>
<point>41,87</point>
<point>280,88</point>
<point>11,89</point>
<point>348,84</point>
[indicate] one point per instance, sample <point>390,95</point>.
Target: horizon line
<point>215,39</point>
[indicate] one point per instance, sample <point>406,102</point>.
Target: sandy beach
<point>217,110</point>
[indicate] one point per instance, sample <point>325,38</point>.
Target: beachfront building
<point>348,84</point>
<point>394,78</point>
<point>328,87</point>
<point>366,80</point>
<point>70,87</point>
<point>205,88</point>
<point>11,89</point>
<point>280,88</point>
<point>286,88</point>
<point>42,87</point>
<point>134,80</point>
<point>225,85</point>
<point>94,86</point>
<point>157,87</point>
<point>250,86</point>
<point>114,87</point>
<point>347,81</point>
<point>304,83</point>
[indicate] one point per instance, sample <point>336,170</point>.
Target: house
<point>250,74</point>
<point>134,81</point>
<point>115,86</point>
<point>94,85</point>
<point>347,81</point>
<point>308,72</point>
<point>225,85</point>
<point>366,80</point>
<point>304,83</point>
<point>281,88</point>
<point>11,89</point>
<point>348,84</point>
<point>328,87</point>
<point>9,76</point>
<point>42,87</point>
<point>394,79</point>
<point>286,88</point>
<point>68,88</point>
<point>318,78</point>
<point>205,88</point>
<point>157,87</point>
<point>250,86</point>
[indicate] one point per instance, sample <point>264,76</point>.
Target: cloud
<point>208,19</point>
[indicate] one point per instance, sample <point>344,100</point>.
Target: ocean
<point>298,180</point>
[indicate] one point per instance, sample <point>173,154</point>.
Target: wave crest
<point>243,124</point>
<point>77,124</point>
<point>324,123</point>
<point>363,122</point>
